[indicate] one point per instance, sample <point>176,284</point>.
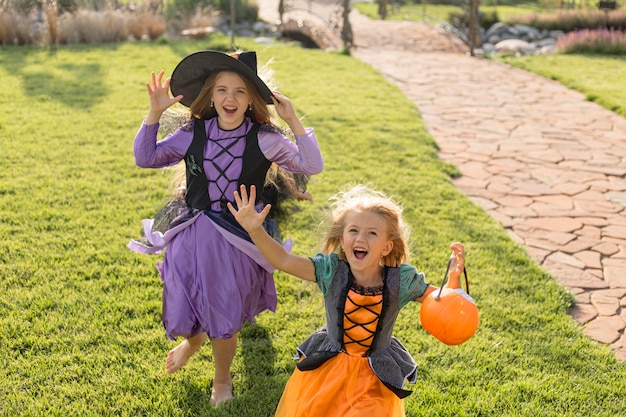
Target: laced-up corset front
<point>360,319</point>
<point>225,155</point>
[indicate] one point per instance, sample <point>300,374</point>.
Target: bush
<point>461,20</point>
<point>592,41</point>
<point>243,10</point>
<point>51,27</point>
<point>571,20</point>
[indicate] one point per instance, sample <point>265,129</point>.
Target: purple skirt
<point>213,280</point>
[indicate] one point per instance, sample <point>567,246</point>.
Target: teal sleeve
<point>412,284</point>
<point>325,268</point>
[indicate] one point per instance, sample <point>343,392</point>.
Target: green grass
<point>442,11</point>
<point>80,330</point>
<point>596,76</point>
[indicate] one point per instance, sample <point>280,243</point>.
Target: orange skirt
<point>344,386</point>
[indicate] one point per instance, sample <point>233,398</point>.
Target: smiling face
<point>365,241</point>
<point>231,100</point>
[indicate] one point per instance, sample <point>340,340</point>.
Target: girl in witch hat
<point>214,276</point>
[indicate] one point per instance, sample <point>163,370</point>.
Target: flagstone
<point>563,258</point>
<point>514,200</point>
<point>557,200</point>
<point>556,224</point>
<point>596,272</point>
<point>591,195</point>
<point>579,244</point>
<point>591,259</point>
<point>616,171</point>
<point>499,187</point>
<point>484,203</point>
<point>544,244</point>
<point>546,210</point>
<point>523,212</point>
<point>598,206</point>
<point>606,301</point>
<point>606,248</point>
<point>583,313</point>
<point>531,188</point>
<point>574,277</point>
<point>475,157</point>
<point>589,231</point>
<point>615,275</point>
<point>570,188</point>
<point>605,329</point>
<point>608,185</point>
<point>467,182</point>
<point>614,231</point>
<point>594,221</point>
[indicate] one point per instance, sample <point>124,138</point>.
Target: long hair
<point>364,198</point>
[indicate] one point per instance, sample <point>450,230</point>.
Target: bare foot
<point>178,357</point>
<point>221,393</point>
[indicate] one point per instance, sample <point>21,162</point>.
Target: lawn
<point>80,329</point>
<point>596,76</point>
<point>442,11</point>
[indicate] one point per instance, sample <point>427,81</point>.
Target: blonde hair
<point>364,198</point>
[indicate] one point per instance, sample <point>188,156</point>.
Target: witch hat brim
<point>190,74</point>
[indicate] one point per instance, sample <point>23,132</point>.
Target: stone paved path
<point>545,163</point>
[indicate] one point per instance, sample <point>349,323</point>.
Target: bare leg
<point>223,354</point>
<point>179,356</point>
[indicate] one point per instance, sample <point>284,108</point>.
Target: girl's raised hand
<point>283,106</point>
<point>158,90</point>
<point>285,111</point>
<point>245,213</point>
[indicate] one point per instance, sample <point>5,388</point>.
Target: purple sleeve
<point>152,154</point>
<point>302,157</point>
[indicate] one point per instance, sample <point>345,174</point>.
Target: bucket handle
<point>445,279</point>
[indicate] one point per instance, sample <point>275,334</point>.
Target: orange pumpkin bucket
<point>450,314</point>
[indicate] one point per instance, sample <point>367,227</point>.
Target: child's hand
<point>283,106</point>
<point>285,110</point>
<point>158,90</point>
<point>458,260</point>
<point>245,213</point>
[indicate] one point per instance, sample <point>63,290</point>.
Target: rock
<point>514,45</point>
<point>519,39</point>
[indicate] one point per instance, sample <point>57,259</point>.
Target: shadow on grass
<point>257,387</point>
<point>46,76</point>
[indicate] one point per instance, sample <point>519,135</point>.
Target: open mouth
<point>359,253</point>
<point>230,110</point>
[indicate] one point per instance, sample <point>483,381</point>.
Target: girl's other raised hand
<point>285,111</point>
<point>160,99</point>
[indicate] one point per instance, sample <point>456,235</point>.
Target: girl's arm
<point>456,269</point>
<point>276,255</point>
<point>149,154</point>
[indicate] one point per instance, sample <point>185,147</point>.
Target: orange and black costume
<point>354,366</point>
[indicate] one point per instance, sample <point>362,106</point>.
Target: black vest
<point>254,168</point>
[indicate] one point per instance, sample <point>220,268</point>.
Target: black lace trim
<point>360,289</point>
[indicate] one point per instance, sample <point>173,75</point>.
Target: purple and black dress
<point>214,277</point>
